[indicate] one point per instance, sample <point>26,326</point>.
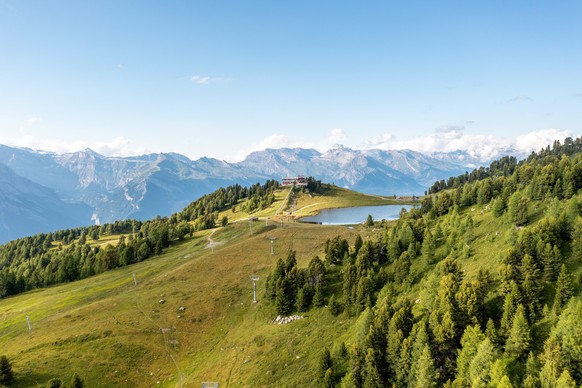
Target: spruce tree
<point>349,381</point>
<point>550,262</point>
<point>318,298</point>
<point>426,374</point>
<point>470,341</point>
<point>420,341</point>
<point>565,380</point>
<point>481,364</point>
<point>491,332</point>
<point>563,289</point>
<point>505,383</point>
<point>498,370</point>
<point>519,339</point>
<point>6,374</point>
<point>531,287</point>
<point>358,244</point>
<point>428,247</point>
<point>532,371</point>
<point>371,374</point>
<point>512,299</point>
<point>76,381</point>
<point>328,379</point>
<point>325,362</point>
<point>404,362</point>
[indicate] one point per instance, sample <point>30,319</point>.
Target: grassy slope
<point>105,326</point>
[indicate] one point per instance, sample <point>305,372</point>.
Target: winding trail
<point>211,243</point>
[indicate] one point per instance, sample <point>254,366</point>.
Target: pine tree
<point>358,244</point>
<point>563,289</point>
<point>369,221</point>
<point>54,383</point>
<point>498,370</point>
<point>531,371</point>
<point>420,341</point>
<point>550,262</point>
<point>565,380</point>
<point>481,364</point>
<point>517,209</point>
<point>548,375</point>
<point>402,267</point>
<point>371,375</point>
<point>531,287</point>
<point>519,339</point>
<point>283,300</point>
<point>364,293</point>
<point>491,332</point>
<point>404,362</point>
<point>349,381</point>
<point>509,307</point>
<point>318,298</point>
<point>76,381</point>
<point>426,374</point>
<point>335,307</point>
<point>325,362</point>
<point>470,341</point>
<point>505,383</point>
<point>328,379</point>
<point>6,374</point>
<point>428,247</point>
<point>304,297</point>
<point>498,206</point>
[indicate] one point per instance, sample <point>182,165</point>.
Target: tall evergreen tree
<point>426,374</point>
<point>325,362</point>
<point>371,374</point>
<point>519,339</point>
<point>6,374</point>
<point>481,364</point>
<point>564,289</point>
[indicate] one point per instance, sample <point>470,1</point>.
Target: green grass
<point>116,334</point>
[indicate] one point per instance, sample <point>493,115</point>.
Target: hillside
<point>143,187</point>
<point>479,286</point>
<point>141,341</point>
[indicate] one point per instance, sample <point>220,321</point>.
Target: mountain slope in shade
<point>28,208</point>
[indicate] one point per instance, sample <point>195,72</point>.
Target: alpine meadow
<point>478,284</point>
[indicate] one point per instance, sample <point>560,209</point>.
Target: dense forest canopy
<point>513,319</point>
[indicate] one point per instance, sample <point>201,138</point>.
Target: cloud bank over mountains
<point>444,139</point>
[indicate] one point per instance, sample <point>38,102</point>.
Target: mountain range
<point>45,191</point>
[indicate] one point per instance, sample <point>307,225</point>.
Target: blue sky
<point>223,78</point>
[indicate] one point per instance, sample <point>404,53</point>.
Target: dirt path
<point>211,243</point>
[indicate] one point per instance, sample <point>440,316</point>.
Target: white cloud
<point>483,147</point>
<point>200,79</point>
<point>33,120</point>
<point>535,141</point>
<point>120,146</point>
<point>335,136</point>
<point>205,79</point>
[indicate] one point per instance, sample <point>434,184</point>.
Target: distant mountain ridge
<point>145,186</point>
